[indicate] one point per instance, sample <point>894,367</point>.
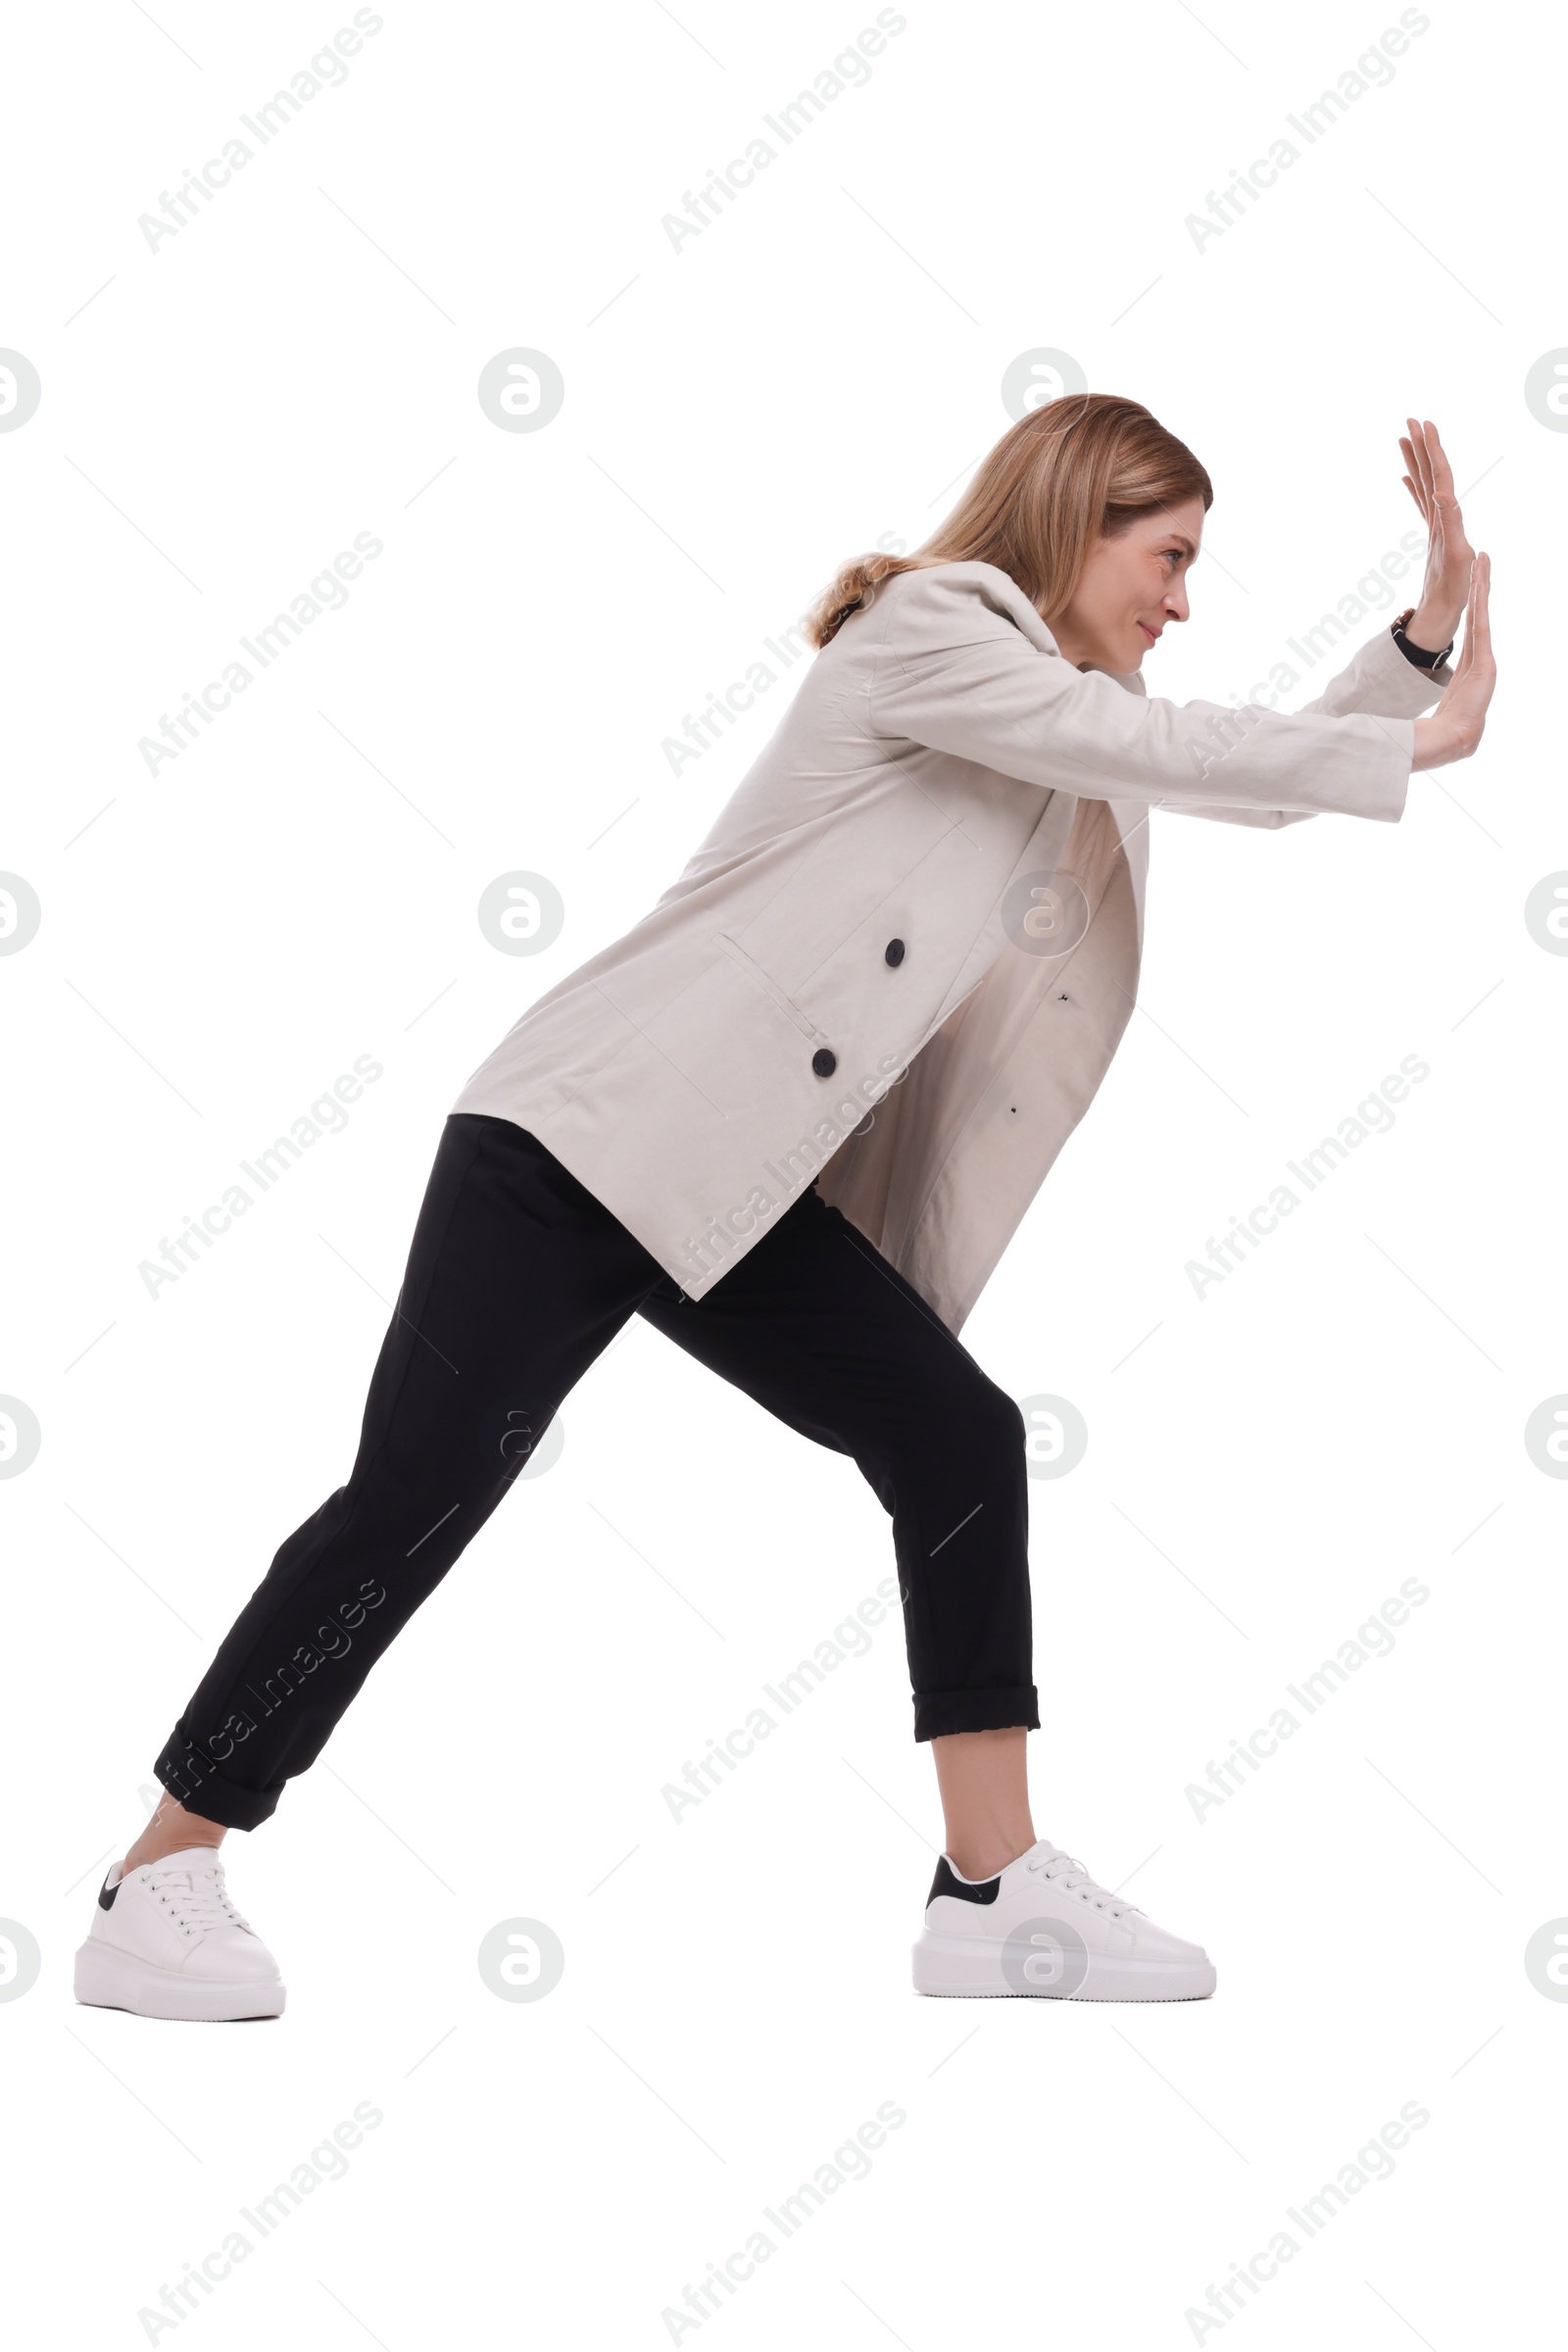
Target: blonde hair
<point>1080,469</point>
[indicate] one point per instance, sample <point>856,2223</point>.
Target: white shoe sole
<point>967,1968</point>
<point>107,1979</point>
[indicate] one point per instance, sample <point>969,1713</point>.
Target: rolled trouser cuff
<point>939,1712</point>
<point>193,1777</point>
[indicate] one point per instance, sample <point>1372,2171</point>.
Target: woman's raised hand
<point>1453,730</point>
<point>1430,482</point>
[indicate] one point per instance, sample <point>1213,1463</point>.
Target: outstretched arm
<point>1381,677</point>
<point>951,669</point>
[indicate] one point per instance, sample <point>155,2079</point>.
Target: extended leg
<point>518,1277</point>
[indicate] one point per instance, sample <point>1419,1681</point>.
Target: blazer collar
<point>1007,591</point>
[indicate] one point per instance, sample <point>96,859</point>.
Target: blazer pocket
<point>769,987</point>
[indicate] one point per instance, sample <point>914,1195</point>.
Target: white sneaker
<point>1042,1925</point>
<point>169,1943</point>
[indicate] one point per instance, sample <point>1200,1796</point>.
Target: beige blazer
<point>839,986</point>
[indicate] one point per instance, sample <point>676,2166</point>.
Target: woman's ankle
<point>983,1855</point>
<point>170,1830</point>
<point>984,1781</point>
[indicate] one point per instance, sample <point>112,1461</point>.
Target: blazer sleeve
<point>951,669</point>
<point>1378,678</point>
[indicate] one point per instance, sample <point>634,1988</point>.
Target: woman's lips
<point>1152,634</point>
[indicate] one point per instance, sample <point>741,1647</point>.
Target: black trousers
<point>518,1277</point>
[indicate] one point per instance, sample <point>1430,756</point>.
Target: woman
<point>792,1119</point>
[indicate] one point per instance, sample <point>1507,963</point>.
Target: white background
<point>819,368</point>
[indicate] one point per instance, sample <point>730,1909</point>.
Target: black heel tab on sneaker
<point>967,1891</point>
<point>107,1895</point>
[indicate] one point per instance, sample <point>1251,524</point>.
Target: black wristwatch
<point>1417,652</point>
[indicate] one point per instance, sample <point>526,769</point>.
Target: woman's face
<point>1133,586</point>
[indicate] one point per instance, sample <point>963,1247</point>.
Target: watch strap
<point>1417,654</point>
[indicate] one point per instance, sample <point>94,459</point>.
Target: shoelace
<point>1059,1869</point>
<point>199,1899</point>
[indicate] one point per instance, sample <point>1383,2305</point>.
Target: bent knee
<point>1002,1417</point>
<point>974,1416</point>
